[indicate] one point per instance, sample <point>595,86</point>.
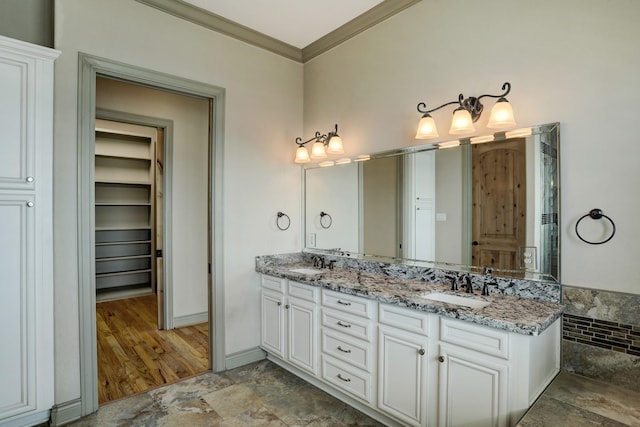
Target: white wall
<point>572,61</point>
<point>262,118</point>
<point>190,116</point>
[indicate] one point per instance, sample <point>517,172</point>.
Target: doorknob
<point>475,243</point>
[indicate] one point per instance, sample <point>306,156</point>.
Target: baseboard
<point>190,319</point>
<point>66,412</point>
<point>244,357</point>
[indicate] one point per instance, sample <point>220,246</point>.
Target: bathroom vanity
<point>408,350</point>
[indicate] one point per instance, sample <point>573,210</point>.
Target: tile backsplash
<point>601,335</point>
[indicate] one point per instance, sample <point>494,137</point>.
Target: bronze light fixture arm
<point>471,104</point>
<point>324,138</point>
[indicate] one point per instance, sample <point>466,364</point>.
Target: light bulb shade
<point>302,155</point>
<point>335,145</point>
<point>427,128</point>
<point>317,150</point>
<point>462,123</point>
<point>501,115</point>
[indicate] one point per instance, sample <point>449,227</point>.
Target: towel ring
<point>322,222</point>
<point>280,215</point>
<point>596,214</point>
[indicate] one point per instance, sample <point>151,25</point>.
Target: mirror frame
<point>496,137</point>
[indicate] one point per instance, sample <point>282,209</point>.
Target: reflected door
<point>499,203</point>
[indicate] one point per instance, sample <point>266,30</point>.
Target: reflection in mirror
<point>489,201</point>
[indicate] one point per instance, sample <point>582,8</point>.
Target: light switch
<point>311,240</point>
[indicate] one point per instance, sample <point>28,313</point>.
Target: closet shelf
<point>123,273</point>
<point>124,257</point>
<point>122,204</point>
<point>122,156</point>
<point>124,228</point>
<point>124,242</point>
<point>117,181</point>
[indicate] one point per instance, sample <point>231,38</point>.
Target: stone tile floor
<point>259,394</point>
<point>572,400</point>
<point>263,394</point>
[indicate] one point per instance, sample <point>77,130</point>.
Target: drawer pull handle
<point>440,359</point>
<point>344,303</point>
<point>343,350</point>
<point>346,380</point>
<point>344,325</point>
<point>421,352</point>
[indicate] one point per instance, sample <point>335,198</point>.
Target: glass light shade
<point>501,115</point>
<point>302,155</point>
<point>462,123</point>
<point>427,128</point>
<point>317,151</point>
<point>335,145</point>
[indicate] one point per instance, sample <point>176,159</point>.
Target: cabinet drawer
<point>347,303</point>
<point>302,291</point>
<point>481,338</point>
<point>404,318</point>
<point>274,283</point>
<point>353,351</point>
<point>350,325</point>
<point>347,378</point>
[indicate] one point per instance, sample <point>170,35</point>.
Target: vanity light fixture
<point>469,111</point>
<point>322,144</point>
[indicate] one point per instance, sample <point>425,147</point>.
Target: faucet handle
<point>454,282</point>
<point>331,264</point>
<point>468,285</point>
<point>485,287</point>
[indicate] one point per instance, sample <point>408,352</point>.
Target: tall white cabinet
<point>26,248</point>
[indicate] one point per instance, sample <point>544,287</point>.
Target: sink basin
<point>305,270</point>
<point>455,299</point>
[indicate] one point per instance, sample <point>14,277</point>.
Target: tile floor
<point>263,394</point>
<point>572,400</point>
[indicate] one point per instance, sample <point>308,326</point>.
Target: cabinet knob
<point>287,306</point>
<point>279,303</point>
<point>29,179</point>
<point>29,204</point>
<point>421,352</point>
<point>441,359</point>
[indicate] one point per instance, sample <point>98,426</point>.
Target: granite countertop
<point>515,314</point>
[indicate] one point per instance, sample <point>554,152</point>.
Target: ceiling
<point>295,22</point>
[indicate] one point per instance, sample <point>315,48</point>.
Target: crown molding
<point>225,26</point>
<point>217,23</point>
<point>374,16</point>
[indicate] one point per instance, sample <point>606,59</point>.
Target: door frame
<point>89,67</point>
<point>167,199</point>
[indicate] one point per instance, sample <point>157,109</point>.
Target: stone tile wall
<point>601,336</point>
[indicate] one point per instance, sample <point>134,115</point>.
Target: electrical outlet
<point>311,240</point>
<point>528,257</point>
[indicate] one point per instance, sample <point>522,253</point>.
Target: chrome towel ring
<point>288,220</point>
<point>596,214</point>
<point>323,223</point>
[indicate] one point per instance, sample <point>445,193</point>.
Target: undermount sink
<point>305,270</point>
<point>455,299</point>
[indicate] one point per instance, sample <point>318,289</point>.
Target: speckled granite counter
<point>516,314</point>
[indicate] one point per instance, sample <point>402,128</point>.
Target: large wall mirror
<point>487,201</point>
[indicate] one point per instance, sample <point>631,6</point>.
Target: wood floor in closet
<point>134,356</point>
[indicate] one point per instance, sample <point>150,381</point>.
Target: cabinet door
<point>17,121</point>
<point>302,334</point>
<point>402,373</point>
<point>17,306</point>
<point>272,334</point>
<point>473,389</point>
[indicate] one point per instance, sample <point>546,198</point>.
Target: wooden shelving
<point>124,211</point>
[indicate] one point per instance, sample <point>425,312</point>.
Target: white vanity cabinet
<point>290,322</point>
<point>490,377</point>
<point>348,344</point>
<point>26,251</point>
<point>403,364</point>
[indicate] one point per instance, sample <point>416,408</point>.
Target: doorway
<point>92,68</point>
